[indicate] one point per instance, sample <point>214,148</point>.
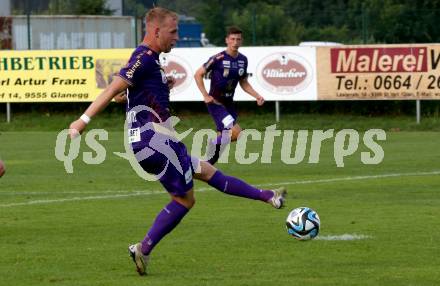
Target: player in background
<point>2,168</point>
<point>147,86</point>
<point>226,70</point>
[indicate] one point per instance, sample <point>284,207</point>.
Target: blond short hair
<point>158,14</point>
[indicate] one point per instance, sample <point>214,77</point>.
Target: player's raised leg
<point>236,187</point>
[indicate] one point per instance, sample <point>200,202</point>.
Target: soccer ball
<point>303,223</point>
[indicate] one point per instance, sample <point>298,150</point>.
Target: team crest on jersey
<point>241,71</point>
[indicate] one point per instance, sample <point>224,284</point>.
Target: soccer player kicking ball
<point>148,106</point>
<point>226,70</point>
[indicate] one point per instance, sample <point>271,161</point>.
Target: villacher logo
<point>284,73</point>
<point>179,69</point>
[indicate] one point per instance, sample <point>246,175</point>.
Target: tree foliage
<point>281,22</point>
<point>79,7</point>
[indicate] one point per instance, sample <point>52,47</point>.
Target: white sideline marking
<point>124,194</point>
<point>133,194</point>
<point>69,193</point>
<point>344,236</point>
<point>40,202</point>
<point>354,178</point>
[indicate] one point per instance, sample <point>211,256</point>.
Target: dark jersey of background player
<point>225,72</point>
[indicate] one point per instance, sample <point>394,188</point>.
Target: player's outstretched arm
<point>247,87</point>
<point>198,77</point>
<point>116,87</point>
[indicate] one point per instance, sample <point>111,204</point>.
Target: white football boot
<point>139,258</point>
<point>279,198</point>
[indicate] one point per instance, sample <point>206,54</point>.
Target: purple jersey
<point>226,71</point>
<point>148,100</point>
<point>148,86</point>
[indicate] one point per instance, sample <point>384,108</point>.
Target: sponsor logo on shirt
<point>226,64</point>
<point>134,135</point>
<point>129,74</point>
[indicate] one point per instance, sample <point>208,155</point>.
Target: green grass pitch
<point>74,229</point>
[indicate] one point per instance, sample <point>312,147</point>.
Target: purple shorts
<point>170,162</point>
<point>224,116</point>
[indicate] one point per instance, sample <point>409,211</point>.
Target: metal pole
<point>418,111</point>
<point>8,112</point>
<point>254,29</point>
<point>28,22</point>
<point>277,111</point>
<point>133,26</point>
<point>364,24</point>
<point>136,29</point>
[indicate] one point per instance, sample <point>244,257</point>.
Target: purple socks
<point>171,215</point>
<point>166,221</point>
<point>237,187</point>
